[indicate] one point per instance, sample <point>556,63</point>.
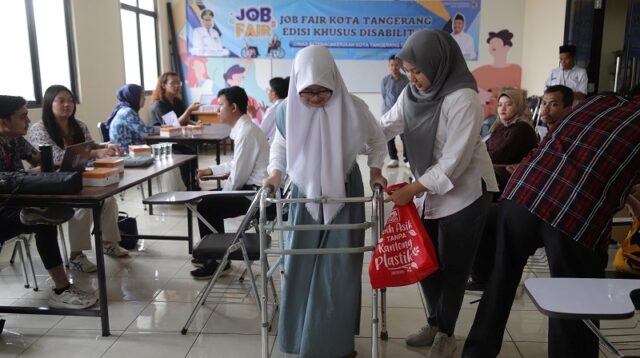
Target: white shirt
<point>207,43</point>
<point>460,158</point>
<point>250,156</point>
<point>575,78</point>
<point>268,125</point>
<point>375,147</point>
<point>465,41</point>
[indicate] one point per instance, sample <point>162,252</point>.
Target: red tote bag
<point>404,254</point>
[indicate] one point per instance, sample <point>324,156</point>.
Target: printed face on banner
<point>371,30</point>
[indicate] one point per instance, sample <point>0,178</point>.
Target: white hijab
<point>323,142</point>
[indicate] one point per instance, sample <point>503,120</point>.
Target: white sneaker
<point>81,263</point>
<point>393,163</point>
<point>443,346</point>
<point>114,250</point>
<point>407,164</point>
<point>73,298</point>
<point>423,338</point>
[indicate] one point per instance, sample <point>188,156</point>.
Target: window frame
<point>154,14</point>
<point>35,58</point>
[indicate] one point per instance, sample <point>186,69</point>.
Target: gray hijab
<point>436,54</point>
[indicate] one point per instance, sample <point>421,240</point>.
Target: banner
<point>371,30</point>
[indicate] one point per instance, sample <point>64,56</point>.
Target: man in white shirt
<point>569,75</point>
<point>205,40</point>
<point>465,42</point>
<point>246,169</point>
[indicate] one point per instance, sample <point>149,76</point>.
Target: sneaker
<point>113,250</point>
<point>81,263</point>
<point>206,272</point>
<point>47,216</point>
<point>443,346</point>
<point>423,338</point>
<point>73,298</point>
<point>406,162</point>
<point>393,163</point>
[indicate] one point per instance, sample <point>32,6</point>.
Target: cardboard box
<point>110,163</point>
<point>169,132</point>
<point>142,150</point>
<point>100,177</point>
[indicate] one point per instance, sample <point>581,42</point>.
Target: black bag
<point>128,231</point>
<point>41,183</point>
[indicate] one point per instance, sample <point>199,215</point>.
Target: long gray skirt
<point>320,303</point>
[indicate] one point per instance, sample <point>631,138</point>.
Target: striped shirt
<point>581,173</point>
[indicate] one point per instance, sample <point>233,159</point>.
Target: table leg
<point>102,283</point>
<point>150,193</point>
<point>218,152</point>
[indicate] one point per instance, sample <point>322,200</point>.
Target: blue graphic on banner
<point>350,29</point>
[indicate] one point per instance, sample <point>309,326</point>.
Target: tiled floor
<point>151,295</point>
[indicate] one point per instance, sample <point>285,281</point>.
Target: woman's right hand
<point>272,181</point>
<point>193,107</point>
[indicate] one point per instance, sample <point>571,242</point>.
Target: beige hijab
<point>523,113</point>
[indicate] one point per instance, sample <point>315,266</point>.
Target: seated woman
<point>125,126</point>
<point>167,98</point>
<point>59,128</point>
<point>278,89</point>
<point>511,137</point>
<point>14,123</point>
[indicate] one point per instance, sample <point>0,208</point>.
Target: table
<point>93,197</point>
<point>586,299</point>
<point>212,134</point>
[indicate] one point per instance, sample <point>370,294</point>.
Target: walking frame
<point>375,224</point>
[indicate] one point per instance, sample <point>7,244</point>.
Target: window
<point>37,47</point>
<point>139,39</point>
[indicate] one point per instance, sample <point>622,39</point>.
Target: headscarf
<point>523,113</point>
<point>127,96</point>
<point>436,54</point>
<point>322,143</point>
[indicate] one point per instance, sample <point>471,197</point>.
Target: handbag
<point>41,183</point>
<point>404,254</point>
<point>128,231</point>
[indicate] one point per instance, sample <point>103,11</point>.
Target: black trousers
<point>46,236</point>
<point>455,238</point>
<point>393,151</point>
<point>185,174</point>
<point>485,255</point>
<point>215,210</point>
<point>520,233</point>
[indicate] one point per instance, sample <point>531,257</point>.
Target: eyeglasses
<point>323,94</point>
<point>176,84</point>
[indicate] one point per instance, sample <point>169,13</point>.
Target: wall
<point>543,33</point>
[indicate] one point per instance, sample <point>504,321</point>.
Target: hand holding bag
<point>404,254</point>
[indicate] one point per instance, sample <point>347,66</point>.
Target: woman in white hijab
<point>440,114</point>
<point>316,143</point>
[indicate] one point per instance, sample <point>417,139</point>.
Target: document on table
<point>171,119</point>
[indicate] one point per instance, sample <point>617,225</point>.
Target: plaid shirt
<point>581,173</point>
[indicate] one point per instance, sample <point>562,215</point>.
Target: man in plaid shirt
<point>562,196</point>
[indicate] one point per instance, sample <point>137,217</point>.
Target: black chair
<point>104,131</point>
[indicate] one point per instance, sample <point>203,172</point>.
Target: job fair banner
<point>350,29</point>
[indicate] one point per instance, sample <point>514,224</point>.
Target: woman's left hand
<point>114,149</point>
<point>376,178</point>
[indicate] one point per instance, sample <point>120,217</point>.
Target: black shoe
<point>474,285</point>
<point>206,272</point>
<point>199,262</point>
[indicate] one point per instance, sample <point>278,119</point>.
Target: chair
<point>238,246</point>
<point>63,246</point>
<point>22,246</point>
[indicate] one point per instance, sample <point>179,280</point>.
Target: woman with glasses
<point>440,114</point>
<point>320,131</point>
<point>167,98</point>
<point>60,128</point>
